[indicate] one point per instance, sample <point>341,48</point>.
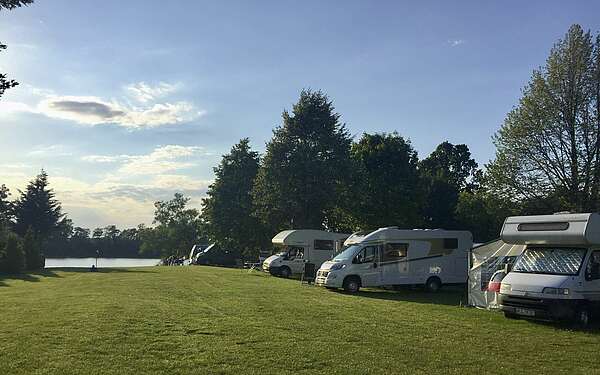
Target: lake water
<point>102,262</point>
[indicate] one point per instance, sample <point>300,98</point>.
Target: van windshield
<point>346,254</point>
<point>550,260</point>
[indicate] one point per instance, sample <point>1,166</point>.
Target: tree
<point>549,145</point>
<point>5,206</point>
<point>385,190</point>
<point>11,252</point>
<point>446,172</point>
<point>177,230</point>
<point>38,209</point>
<point>227,210</point>
<point>12,4</point>
<point>33,255</point>
<point>5,83</point>
<point>481,212</point>
<point>305,166</point>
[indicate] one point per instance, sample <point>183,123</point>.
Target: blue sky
<point>126,102</point>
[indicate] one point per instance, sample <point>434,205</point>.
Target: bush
<point>13,258</point>
<point>33,257</point>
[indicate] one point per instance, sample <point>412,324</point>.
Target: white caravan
<point>393,257</point>
<point>558,274</point>
<point>302,246</point>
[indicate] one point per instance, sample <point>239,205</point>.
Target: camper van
<point>300,246</point>
<point>557,276</point>
<point>394,257</point>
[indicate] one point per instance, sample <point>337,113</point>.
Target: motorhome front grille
<point>322,273</point>
<point>524,302</point>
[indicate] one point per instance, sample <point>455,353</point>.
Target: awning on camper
<point>486,259</point>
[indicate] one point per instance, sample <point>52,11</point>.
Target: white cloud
<point>93,110</point>
<point>50,150</point>
<point>456,42</point>
<point>161,160</point>
<point>104,158</point>
<point>144,93</point>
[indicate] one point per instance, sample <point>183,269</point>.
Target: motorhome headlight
<point>504,288</point>
<point>338,266</point>
<point>563,291</point>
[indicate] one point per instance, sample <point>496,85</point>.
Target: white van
<point>302,246</point>
<point>393,257</point>
<point>558,274</point>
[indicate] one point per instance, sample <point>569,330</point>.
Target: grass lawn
<point>202,320</point>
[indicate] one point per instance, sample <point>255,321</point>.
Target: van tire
<point>351,284</point>
<point>285,272</point>
<point>583,316</point>
<point>433,284</point>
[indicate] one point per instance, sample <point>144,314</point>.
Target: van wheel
<point>433,284</point>
<point>583,316</point>
<point>352,284</point>
<point>285,272</point>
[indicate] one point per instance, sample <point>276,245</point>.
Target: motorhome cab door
<point>295,258</point>
<point>366,264</point>
<point>592,276</point>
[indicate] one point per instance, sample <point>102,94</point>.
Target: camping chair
<point>309,273</point>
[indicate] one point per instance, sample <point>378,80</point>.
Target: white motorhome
<point>394,257</point>
<point>558,274</point>
<point>302,246</point>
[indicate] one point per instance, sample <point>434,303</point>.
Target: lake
<point>102,262</point>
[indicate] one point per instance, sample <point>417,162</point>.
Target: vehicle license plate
<point>525,312</point>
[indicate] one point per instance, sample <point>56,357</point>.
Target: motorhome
<point>300,246</point>
<point>394,257</point>
<point>557,276</point>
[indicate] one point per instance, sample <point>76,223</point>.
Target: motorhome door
<point>592,276</point>
<point>394,265</point>
<point>366,264</point>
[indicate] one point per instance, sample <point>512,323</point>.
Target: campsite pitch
<point>181,320</point>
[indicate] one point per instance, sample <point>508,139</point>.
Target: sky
<point>127,102</point>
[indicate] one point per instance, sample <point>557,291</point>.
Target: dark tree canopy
<point>304,167</point>
<point>446,172</point>
<point>227,210</point>
<point>38,209</point>
<point>12,4</point>
<point>178,228</point>
<point>385,183</point>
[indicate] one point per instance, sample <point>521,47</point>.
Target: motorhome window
<point>394,252</point>
<point>592,271</point>
<point>347,254</point>
<point>535,227</point>
<point>550,260</point>
<point>324,245</point>
<point>451,243</point>
<point>367,255</point>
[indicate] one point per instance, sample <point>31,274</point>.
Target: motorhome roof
<point>303,237</point>
<point>413,234</point>
<point>561,229</point>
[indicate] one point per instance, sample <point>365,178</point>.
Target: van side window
<point>366,255</point>
<point>592,271</point>
<point>324,245</point>
<point>450,243</point>
<point>394,252</point>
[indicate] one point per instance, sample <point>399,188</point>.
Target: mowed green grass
<point>180,320</point>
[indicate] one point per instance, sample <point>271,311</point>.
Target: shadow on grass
<point>36,276</point>
<point>450,296</point>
